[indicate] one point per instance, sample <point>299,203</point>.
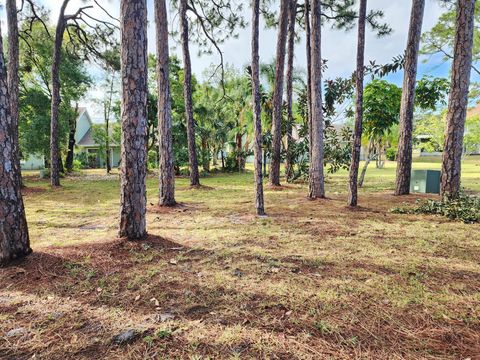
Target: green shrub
<point>391,154</point>
<point>152,160</point>
<point>77,165</point>
<point>465,208</point>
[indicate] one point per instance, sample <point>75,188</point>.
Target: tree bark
<point>13,78</point>
<point>309,72</point>
<point>71,141</point>
<point>165,140</point>
<point>292,17</point>
<point>278,94</point>
<point>54,142</point>
<point>108,111</point>
<point>239,149</point>
<point>205,155</point>
<point>14,239</point>
<point>133,22</point>
<point>405,144</point>
<point>370,156</point>
<point>187,91</point>
<point>357,135</point>
<point>316,178</point>
<point>257,108</point>
<point>458,101</point>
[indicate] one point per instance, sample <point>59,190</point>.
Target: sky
<point>339,47</point>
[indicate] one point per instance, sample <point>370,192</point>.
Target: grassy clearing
<point>313,280</point>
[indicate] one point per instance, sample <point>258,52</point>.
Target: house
<point>85,147</point>
<point>85,143</point>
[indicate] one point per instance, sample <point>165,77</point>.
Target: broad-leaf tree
<point>36,46</point>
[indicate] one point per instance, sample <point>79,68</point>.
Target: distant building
<point>84,144</point>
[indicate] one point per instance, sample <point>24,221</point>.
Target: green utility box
<point>425,182</point>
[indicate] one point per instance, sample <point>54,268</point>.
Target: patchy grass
<point>312,280</point>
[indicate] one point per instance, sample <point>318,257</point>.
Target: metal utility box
<point>425,182</point>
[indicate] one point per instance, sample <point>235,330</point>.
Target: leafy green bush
<point>83,159</point>
<point>391,154</point>
<point>152,160</point>
<point>465,208</point>
<point>77,165</point>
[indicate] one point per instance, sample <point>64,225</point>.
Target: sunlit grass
<point>311,280</point>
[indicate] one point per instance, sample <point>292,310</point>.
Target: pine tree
<point>458,101</point>
<point>133,172</point>
<point>405,145</point>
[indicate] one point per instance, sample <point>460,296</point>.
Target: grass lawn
<point>312,280</point>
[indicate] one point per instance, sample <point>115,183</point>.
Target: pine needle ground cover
<point>312,280</point>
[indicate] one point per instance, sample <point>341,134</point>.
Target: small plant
<point>465,208</point>
<point>163,334</point>
<point>148,340</point>
<point>77,165</point>
<point>324,327</point>
<point>391,154</point>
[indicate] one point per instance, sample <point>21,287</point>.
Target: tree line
<point>213,24</point>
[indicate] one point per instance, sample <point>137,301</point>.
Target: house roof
<point>87,139</point>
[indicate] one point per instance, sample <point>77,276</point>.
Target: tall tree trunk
<point>54,142</point>
<point>215,156</point>
<point>14,240</point>
<point>370,156</point>
<point>108,111</point>
<point>257,108</point>
<point>165,140</point>
<point>238,143</point>
<point>357,135</point>
<point>108,164</point>
<point>316,178</point>
<point>405,144</point>
<point>265,159</point>
<point>133,22</point>
<point>71,141</point>
<point>292,17</point>
<point>187,91</point>
<point>13,78</point>
<point>278,95</point>
<point>458,101</point>
<point>205,155</point>
<point>309,72</point>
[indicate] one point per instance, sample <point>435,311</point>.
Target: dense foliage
<point>35,64</point>
<point>465,208</point>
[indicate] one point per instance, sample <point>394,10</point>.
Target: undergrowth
<point>465,208</point>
